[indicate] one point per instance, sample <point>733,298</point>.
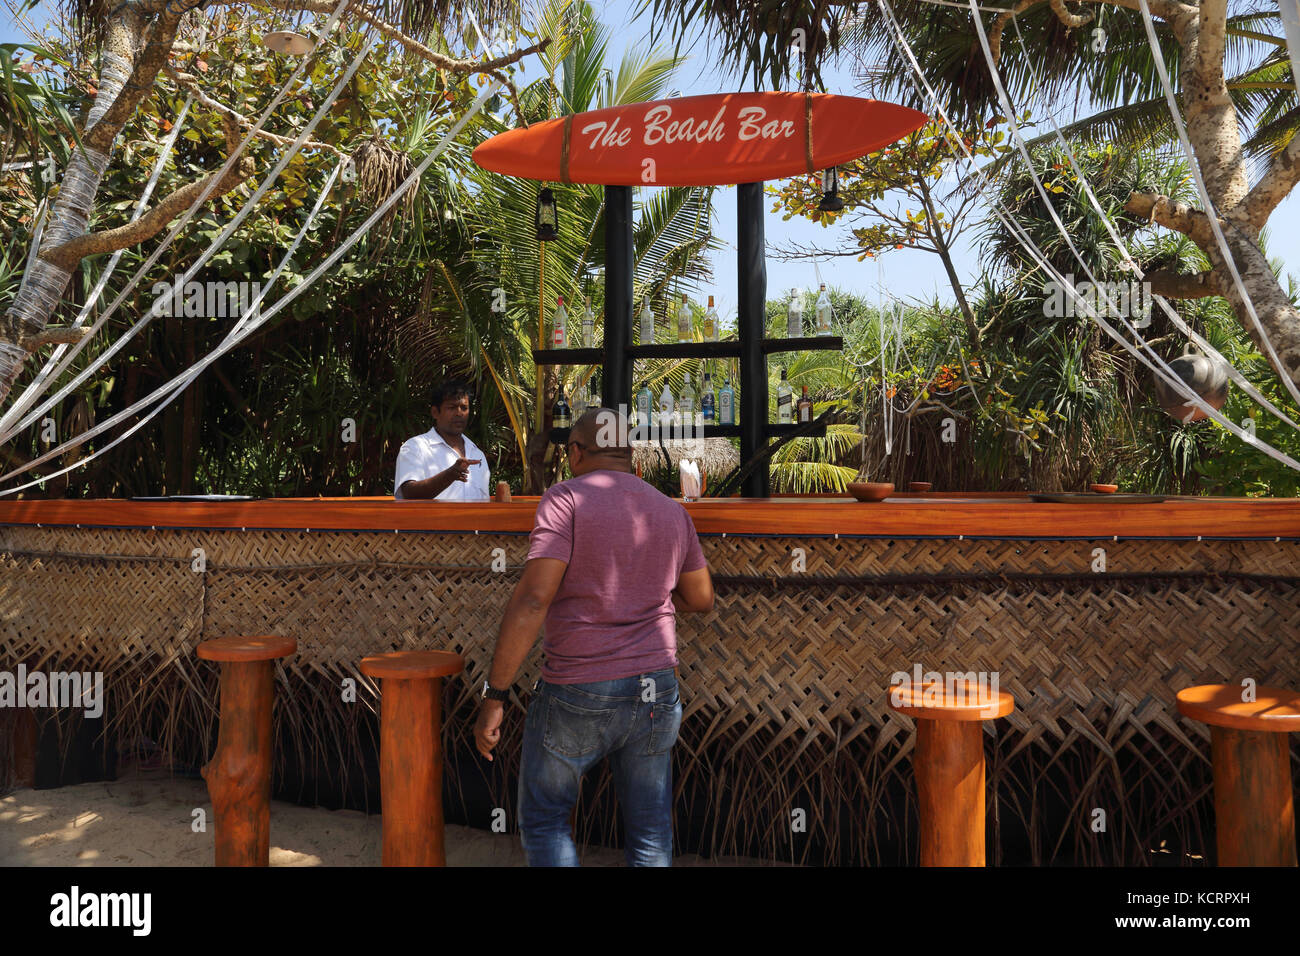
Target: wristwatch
<point>491,693</point>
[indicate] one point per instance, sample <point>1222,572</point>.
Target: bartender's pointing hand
<point>487,729</point>
<point>460,470</point>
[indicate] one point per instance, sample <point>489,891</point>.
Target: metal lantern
<point>293,41</point>
<point>1205,376</point>
<point>831,201</point>
<point>547,216</point>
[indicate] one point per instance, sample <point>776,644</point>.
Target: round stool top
<point>265,647</point>
<point>961,701</point>
<point>412,665</point>
<point>1273,709</point>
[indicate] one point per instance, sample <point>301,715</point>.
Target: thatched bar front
<point>1092,615</point>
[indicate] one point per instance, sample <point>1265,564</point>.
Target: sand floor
<point>144,818</point>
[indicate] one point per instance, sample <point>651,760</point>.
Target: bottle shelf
<point>560,435</point>
<point>807,343</point>
<point>702,350</point>
<point>568,356</point>
<point>725,349</point>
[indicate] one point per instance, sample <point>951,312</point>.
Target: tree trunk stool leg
<point>949,769</point>
<point>239,774</point>
<point>1254,813</point>
<point>949,766</point>
<point>410,752</point>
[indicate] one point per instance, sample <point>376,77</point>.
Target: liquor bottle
<point>711,323</point>
<point>560,326</point>
<point>804,408</point>
<point>593,394</point>
<point>684,321</point>
<point>561,417</point>
<point>794,317</point>
<point>588,326</point>
<point>686,404</point>
<point>727,404</point>
<point>666,407</point>
<point>644,405</point>
<point>783,397</point>
<point>824,312</point>
<point>706,400</point>
<point>647,322</point>
<point>579,404</point>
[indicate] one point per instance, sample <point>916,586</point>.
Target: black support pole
<point>751,272</point>
<point>617,386</point>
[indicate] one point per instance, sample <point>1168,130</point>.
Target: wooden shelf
<point>728,349</point>
<point>770,430</point>
<point>700,350</point>
<point>808,343</point>
<point>568,356</point>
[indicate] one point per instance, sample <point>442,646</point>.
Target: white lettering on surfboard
<point>661,128</point>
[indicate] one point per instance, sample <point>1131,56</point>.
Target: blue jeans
<point>569,728</point>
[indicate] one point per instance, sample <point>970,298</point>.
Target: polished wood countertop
<point>933,514</point>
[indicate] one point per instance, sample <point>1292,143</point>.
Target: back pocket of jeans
<point>665,722</point>
<point>573,730</point>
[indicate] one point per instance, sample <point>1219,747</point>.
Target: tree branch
<point>151,223</point>
<point>1167,10</point>
<point>1176,285</point>
<point>391,32</point>
<point>191,83</point>
<point>53,335</point>
<point>154,49</point>
<point>1171,214</point>
<point>1279,179</point>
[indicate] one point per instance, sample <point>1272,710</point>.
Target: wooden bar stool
<point>1251,754</point>
<point>239,774</point>
<point>410,752</point>
<point>949,766</point>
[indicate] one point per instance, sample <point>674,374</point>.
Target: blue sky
<point>906,274</point>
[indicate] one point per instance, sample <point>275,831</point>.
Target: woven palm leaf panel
<point>785,682</point>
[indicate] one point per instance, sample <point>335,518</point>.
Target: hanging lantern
<point>547,217</point>
<point>831,201</point>
<point>1205,376</point>
<point>295,40</point>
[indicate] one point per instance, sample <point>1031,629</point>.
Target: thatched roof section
<point>716,456</point>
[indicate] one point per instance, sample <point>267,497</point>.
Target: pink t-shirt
<point>626,544</point>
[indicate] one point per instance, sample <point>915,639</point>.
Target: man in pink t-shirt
<point>611,561</point>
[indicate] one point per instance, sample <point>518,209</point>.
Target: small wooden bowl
<point>870,490</point>
<point>1104,489</point>
<point>921,486</point>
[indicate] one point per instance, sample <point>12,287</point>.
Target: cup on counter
<point>689,474</point>
<point>503,491</point>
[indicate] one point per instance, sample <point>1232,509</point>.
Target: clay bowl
<point>870,490</point>
<point>1104,489</point>
<point>921,486</point>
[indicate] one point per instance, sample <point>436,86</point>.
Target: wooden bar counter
<point>1093,616</point>
<point>1007,515</point>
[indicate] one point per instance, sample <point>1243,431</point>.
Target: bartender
<point>443,463</point>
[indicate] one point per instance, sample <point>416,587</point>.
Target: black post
<point>617,386</point>
<point>751,319</point>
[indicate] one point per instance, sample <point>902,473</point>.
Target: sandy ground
<point>144,819</point>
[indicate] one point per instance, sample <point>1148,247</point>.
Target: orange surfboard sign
<point>713,140</point>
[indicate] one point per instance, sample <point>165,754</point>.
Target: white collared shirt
<point>425,455</point>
